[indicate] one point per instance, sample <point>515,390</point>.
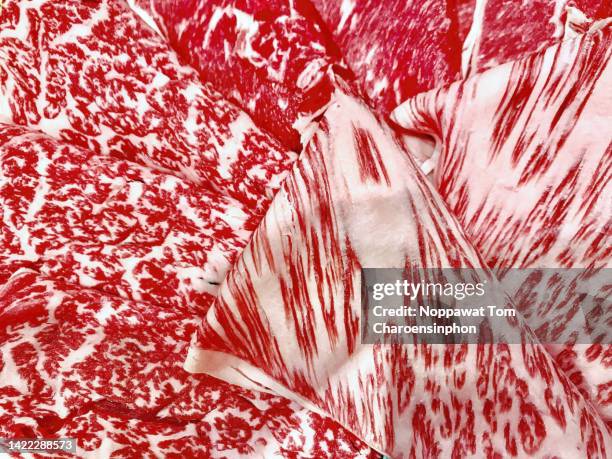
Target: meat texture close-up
<point>525,170</point>
<point>193,194</point>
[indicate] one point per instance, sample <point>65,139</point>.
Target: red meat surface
<point>175,282</point>
<point>114,225</point>
<point>81,364</point>
<point>288,314</point>
<point>92,74</point>
<point>273,58</point>
<point>396,48</point>
<point>499,31</point>
<point>127,186</point>
<point>525,163</point>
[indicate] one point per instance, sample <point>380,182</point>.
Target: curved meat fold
<point>94,75</point>
<point>78,363</point>
<point>494,32</point>
<point>396,48</point>
<point>525,166</point>
<point>273,58</point>
<point>287,317</point>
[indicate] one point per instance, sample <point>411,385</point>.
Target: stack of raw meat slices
<point>189,190</point>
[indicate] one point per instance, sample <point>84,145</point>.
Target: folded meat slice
<point>113,224</point>
<point>525,165</point>
<point>93,74</point>
<point>396,48</point>
<point>288,314</point>
<point>78,363</point>
<point>272,58</point>
<point>498,31</point>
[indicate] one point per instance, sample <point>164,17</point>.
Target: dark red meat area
<point>509,30</point>
<point>272,58</point>
<point>396,48</point>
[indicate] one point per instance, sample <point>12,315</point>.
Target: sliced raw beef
<point>526,167</point>
<point>288,315</point>
<point>271,57</point>
<point>78,363</point>
<point>499,31</point>
<point>113,224</point>
<point>397,48</point>
<point>64,347</point>
<point>93,74</point>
